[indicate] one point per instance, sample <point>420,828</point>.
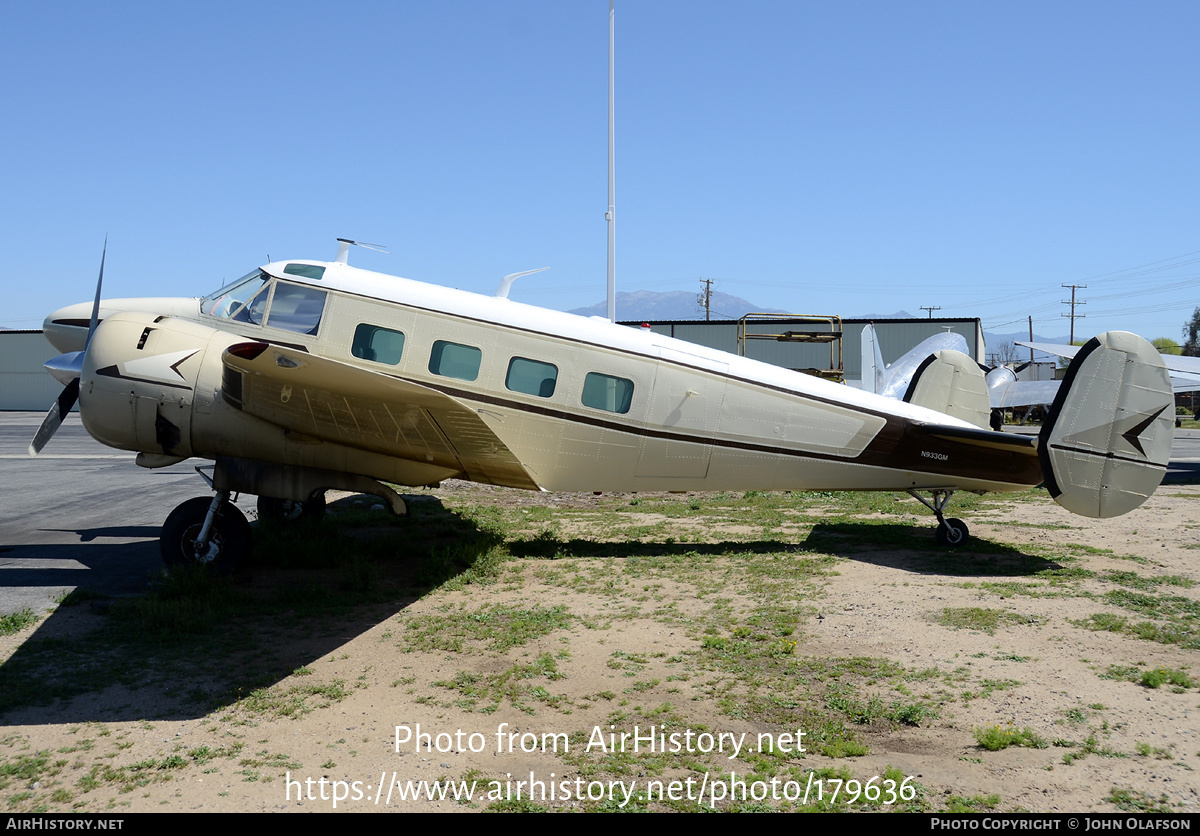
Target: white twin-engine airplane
<point>304,376</point>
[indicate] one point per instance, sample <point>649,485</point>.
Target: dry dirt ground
<point>721,621</point>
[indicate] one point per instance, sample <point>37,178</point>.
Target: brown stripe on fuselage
<point>902,444</point>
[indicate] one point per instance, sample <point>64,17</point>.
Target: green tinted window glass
<point>603,391</point>
<point>380,345</point>
<point>454,360</point>
<point>531,377</point>
<point>308,271</point>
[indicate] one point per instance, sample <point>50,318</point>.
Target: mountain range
<point>681,304</point>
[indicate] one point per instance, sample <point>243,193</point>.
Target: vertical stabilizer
<point>1105,445</point>
<point>872,362</point>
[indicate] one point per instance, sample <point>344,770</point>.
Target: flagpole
<point>611,216</point>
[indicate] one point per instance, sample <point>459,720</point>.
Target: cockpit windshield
<point>232,297</point>
<point>256,300</point>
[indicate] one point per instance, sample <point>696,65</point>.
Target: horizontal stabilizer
<point>1105,445</point>
<point>950,382</point>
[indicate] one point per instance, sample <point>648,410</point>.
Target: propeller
<point>67,369</point>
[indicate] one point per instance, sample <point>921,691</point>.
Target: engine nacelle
<point>141,382</point>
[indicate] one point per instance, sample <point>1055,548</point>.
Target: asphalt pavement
<point>81,514</point>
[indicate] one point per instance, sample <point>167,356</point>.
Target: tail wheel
<point>276,510</point>
<point>229,538</point>
<point>952,533</point>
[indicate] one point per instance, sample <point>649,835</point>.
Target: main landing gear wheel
<point>276,510</point>
<point>952,533</point>
<point>229,537</point>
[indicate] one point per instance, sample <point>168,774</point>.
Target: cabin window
<point>305,271</point>
<point>531,377</point>
<point>454,360</point>
<point>603,391</point>
<point>379,345</point>
<point>296,308</point>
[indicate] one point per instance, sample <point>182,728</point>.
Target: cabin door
<point>682,416</point>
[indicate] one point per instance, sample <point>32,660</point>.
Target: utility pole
<point>705,297</point>
<point>1073,303</point>
<point>931,309</point>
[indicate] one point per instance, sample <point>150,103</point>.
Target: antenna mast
<point>611,215</point>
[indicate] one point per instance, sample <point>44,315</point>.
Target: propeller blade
<point>96,304</point>
<point>66,368</point>
<point>54,418</point>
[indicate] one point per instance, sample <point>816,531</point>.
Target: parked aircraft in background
<point>991,389</point>
<point>308,375</point>
<point>902,379</point>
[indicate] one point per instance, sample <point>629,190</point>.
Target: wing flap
<point>343,404</point>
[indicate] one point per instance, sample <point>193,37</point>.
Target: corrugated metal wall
<point>896,336</point>
<point>24,384</point>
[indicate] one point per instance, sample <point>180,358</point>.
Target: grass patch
<point>972,804</point>
<point>494,627</point>
<point>1160,676</point>
<point>997,738</point>
<point>982,619</point>
<point>294,701</point>
<point>1136,801</point>
<point>516,685</point>
<point>14,623</point>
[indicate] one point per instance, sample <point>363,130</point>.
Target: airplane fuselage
<point>580,403</point>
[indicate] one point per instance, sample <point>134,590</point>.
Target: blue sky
<point>813,157</point>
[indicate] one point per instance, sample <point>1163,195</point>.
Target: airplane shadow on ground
<point>902,546</point>
<point>194,644</point>
<point>913,549</point>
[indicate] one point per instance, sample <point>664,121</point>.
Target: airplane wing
<point>1023,393</point>
<point>1053,348</point>
<point>1175,363</point>
<point>343,404</point>
<point>1185,371</point>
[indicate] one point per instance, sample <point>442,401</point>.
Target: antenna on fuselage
<point>343,254</point>
<point>506,282</point>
